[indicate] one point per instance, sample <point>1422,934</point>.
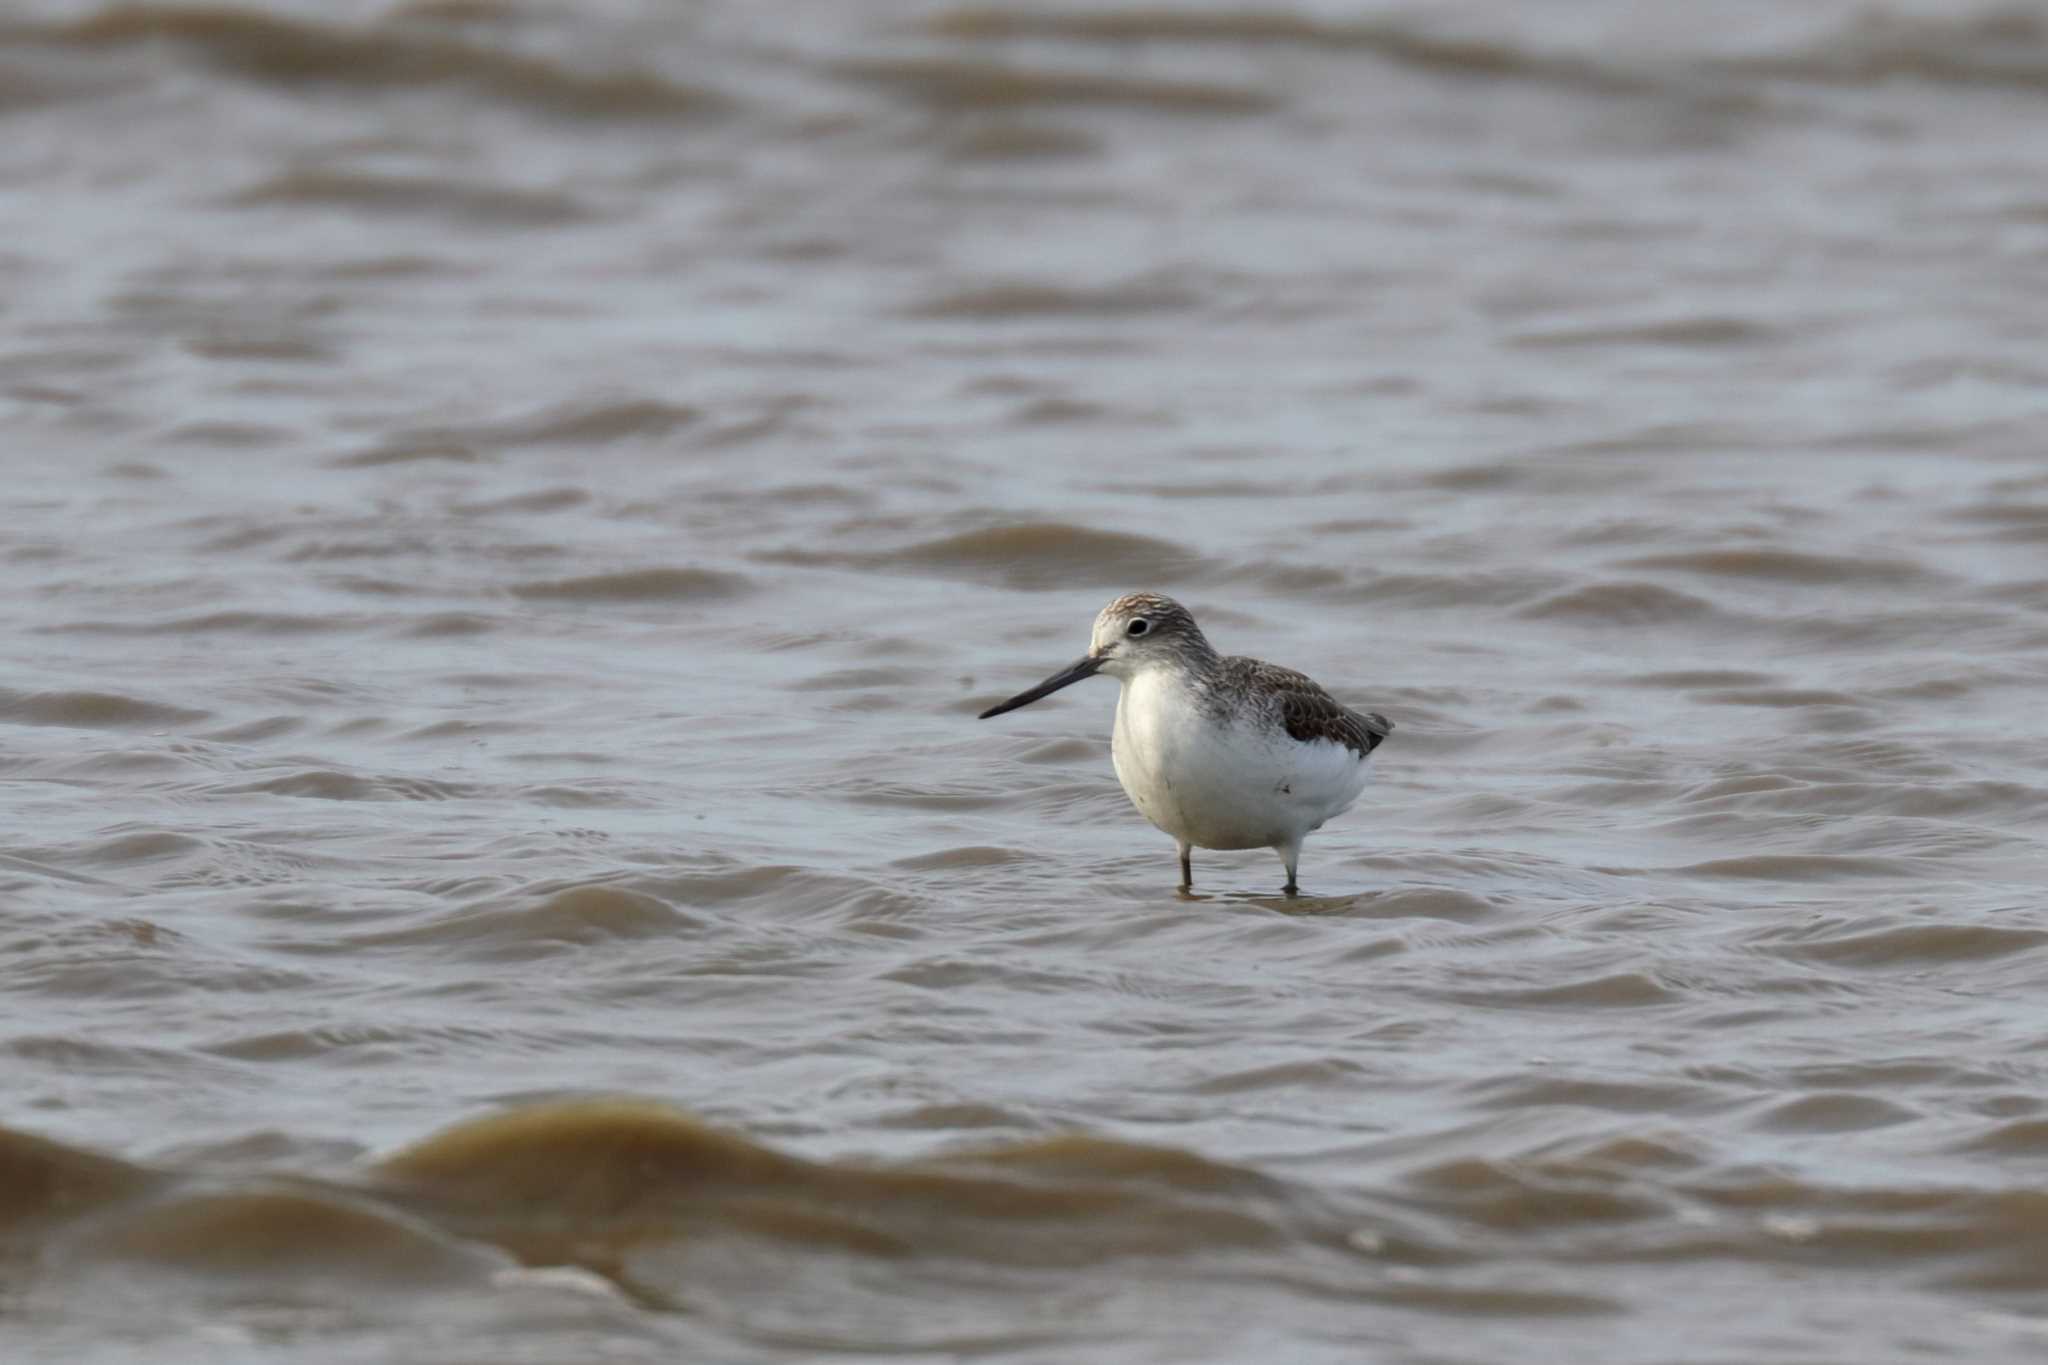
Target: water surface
<point>511,512</point>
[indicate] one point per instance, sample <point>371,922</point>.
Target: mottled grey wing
<point>1310,713</point>
<point>1318,715</point>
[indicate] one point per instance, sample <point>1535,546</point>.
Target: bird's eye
<point>1138,627</point>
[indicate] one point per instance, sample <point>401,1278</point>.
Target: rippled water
<point>511,512</point>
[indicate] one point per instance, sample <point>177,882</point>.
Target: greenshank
<point>1219,752</point>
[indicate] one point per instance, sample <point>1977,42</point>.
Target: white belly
<point>1224,785</point>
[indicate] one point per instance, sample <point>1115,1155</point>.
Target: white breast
<point>1223,783</point>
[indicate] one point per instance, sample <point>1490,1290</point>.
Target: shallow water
<point>512,511</point>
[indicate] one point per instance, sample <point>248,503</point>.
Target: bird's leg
<point>1290,854</point>
<point>1187,867</point>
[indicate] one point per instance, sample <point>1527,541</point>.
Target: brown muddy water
<point>510,511</point>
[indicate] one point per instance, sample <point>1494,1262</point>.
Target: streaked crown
<point>1144,619</point>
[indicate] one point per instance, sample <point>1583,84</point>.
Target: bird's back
<point>1298,704</point>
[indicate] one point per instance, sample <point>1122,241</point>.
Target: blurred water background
<point>508,511</point>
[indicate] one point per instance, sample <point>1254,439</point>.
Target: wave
<point>962,83</point>
<point>579,1183</point>
<point>1027,555</point>
<point>1035,299</point>
<point>545,919</point>
<point>1787,566</point>
<point>668,584</point>
<point>90,710</point>
<point>1396,41</point>
<point>295,54</point>
<point>579,425</point>
<point>1623,604</point>
<point>2001,45</point>
<point>471,203</point>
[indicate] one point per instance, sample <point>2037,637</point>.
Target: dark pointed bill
<point>1083,668</point>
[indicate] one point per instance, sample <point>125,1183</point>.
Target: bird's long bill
<point>1081,668</point>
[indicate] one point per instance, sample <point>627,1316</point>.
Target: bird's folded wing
<point>1318,715</point>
